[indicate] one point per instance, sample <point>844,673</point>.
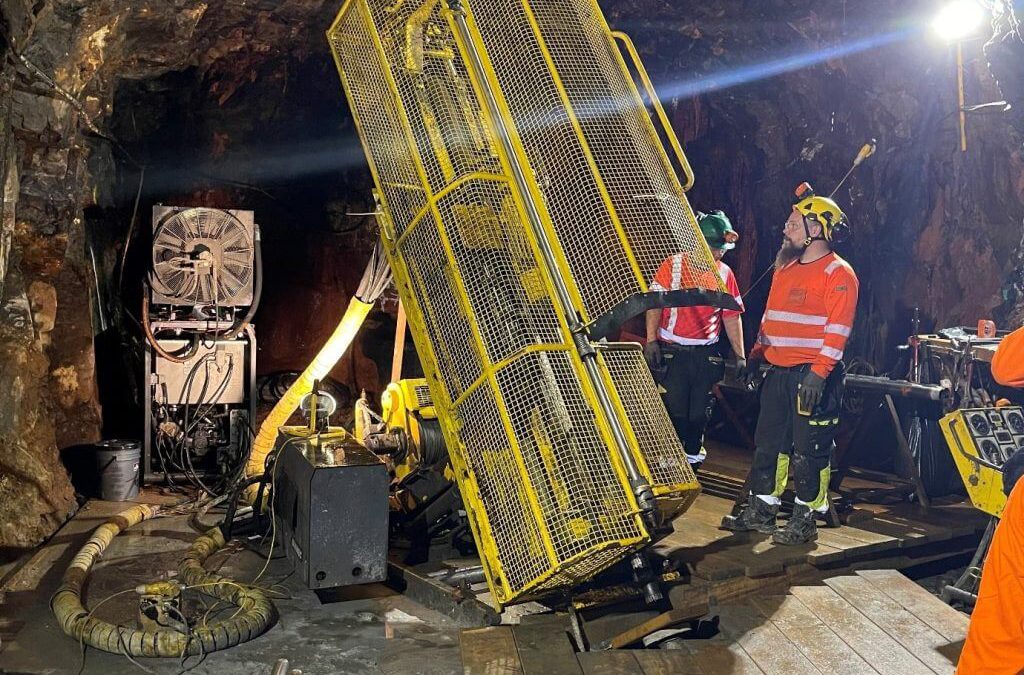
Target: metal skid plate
<point>220,367</point>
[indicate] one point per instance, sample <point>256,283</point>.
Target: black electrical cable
<point>186,395</point>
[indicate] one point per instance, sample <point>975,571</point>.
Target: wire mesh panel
<point>616,208</point>
<point>657,445</point>
<point>549,502</point>
<point>532,448</point>
<point>374,108</point>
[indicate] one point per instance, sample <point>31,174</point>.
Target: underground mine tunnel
<point>525,336</point>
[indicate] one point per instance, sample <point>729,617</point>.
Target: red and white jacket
<point>699,325</point>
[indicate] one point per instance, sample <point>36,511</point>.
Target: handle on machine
<point>670,134</point>
<point>976,460</point>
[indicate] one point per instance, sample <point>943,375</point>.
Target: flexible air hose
<point>325,360</point>
<point>255,615</point>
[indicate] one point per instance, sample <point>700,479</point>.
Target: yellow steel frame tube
<point>670,133</point>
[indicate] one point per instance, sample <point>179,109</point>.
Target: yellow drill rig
<point>526,200</point>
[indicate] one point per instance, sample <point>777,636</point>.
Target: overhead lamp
<point>958,20</point>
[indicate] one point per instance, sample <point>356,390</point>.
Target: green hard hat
<point>717,230</point>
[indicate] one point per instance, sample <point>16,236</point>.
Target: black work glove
<point>749,372</point>
<point>652,354</point>
<point>811,389</point>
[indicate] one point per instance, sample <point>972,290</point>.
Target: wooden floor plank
<point>816,641</point>
<point>928,646</point>
<point>544,648</point>
<point>959,520</point>
<point>716,658</point>
<point>667,662</point>
<point>841,538</point>
<point>910,534</point>
<point>908,516</point>
<point>489,651</point>
<point>874,540</point>
<point>696,541</point>
<point>754,551</point>
<point>609,662</point>
<point>881,651</point>
<point>770,649</point>
<point>946,621</point>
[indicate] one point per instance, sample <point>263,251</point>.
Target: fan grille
<point>202,256</point>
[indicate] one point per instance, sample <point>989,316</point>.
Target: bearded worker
<point>804,330</point>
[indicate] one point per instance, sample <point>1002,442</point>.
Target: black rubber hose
<point>257,290</point>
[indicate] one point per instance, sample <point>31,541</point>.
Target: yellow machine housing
<point>981,440</point>
<point>405,405</point>
<point>526,202</point>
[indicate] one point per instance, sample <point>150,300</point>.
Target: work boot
<point>697,461</point>
<point>799,530</point>
<point>757,516</point>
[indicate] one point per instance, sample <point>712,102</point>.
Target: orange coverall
<point>995,639</point>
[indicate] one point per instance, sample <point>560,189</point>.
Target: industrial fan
<point>202,256</point>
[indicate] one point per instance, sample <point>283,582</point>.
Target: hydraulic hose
<point>255,614</point>
<point>325,360</point>
<point>257,290</point>
<point>181,357</point>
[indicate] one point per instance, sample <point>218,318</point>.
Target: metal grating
<point>423,399</point>
<point>656,439</point>
<point>617,210</point>
<point>570,466</point>
<point>434,286</point>
<point>503,282</point>
<point>376,113</point>
<point>499,483</point>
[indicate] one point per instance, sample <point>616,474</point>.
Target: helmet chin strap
<point>807,231</point>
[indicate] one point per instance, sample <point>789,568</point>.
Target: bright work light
<point>958,19</point>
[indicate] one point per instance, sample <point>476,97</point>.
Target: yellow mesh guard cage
<point>547,494</point>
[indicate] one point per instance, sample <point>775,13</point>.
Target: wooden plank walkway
<point>892,536</point>
<point>871,623</point>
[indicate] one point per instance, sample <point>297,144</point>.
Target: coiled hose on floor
<point>255,615</point>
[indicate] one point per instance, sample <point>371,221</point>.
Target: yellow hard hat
<point>821,210</point>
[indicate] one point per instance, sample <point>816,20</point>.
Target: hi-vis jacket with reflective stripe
<point>810,314</point>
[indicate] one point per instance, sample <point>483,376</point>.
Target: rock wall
<point>63,62</point>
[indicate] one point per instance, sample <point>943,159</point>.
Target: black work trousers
<point>786,439</point>
<point>688,379</point>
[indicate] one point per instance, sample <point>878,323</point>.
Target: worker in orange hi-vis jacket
<point>995,638</point>
<point>806,324</point>
<point>681,341</point>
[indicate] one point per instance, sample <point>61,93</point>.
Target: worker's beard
<point>787,254</point>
